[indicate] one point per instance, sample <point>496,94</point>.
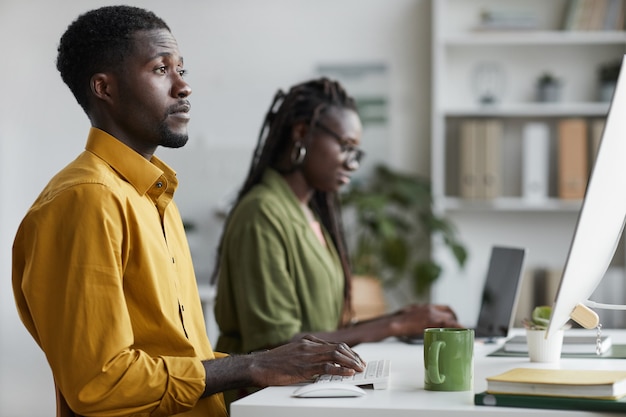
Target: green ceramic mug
<point>448,359</point>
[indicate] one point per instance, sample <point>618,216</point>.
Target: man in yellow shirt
<point>102,273</point>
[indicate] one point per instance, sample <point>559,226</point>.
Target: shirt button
<point>159,184</point>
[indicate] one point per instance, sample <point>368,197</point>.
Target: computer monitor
<point>600,221</point>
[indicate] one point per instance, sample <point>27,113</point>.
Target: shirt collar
<point>129,164</point>
<point>273,180</point>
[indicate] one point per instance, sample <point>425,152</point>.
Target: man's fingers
<point>334,353</point>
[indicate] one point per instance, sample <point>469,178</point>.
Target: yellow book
<point>575,383</point>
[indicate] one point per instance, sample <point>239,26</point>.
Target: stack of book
<point>567,389</point>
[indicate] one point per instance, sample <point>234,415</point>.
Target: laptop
<point>499,297</point>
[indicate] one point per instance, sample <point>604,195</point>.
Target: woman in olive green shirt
<point>282,264</point>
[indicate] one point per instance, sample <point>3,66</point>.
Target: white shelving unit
<point>520,56</point>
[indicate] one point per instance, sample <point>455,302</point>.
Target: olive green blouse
<point>276,278</point>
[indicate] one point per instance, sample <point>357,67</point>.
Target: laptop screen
<point>500,292</point>
<point>500,295</point>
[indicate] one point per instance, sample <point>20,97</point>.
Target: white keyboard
<point>376,373</point>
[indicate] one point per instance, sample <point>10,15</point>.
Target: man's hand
<point>302,360</point>
<point>298,361</point>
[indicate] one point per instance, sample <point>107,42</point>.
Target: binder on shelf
<point>585,15</point>
<point>594,15</point>
<point>614,17</point>
<point>572,158</point>
<point>480,158</point>
<point>492,172</point>
<point>598,12</point>
<point>468,172</point>
<point>535,161</point>
<point>571,14</point>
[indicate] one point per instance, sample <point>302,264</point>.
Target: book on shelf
<point>584,21</point>
<point>571,14</point>
<point>614,19</point>
<point>572,158</point>
<point>572,344</point>
<point>492,181</point>
<point>555,403</point>
<point>594,15</point>
<point>579,383</point>
<point>595,20</point>
<point>480,158</point>
<point>507,20</point>
<point>535,161</point>
<point>468,163</point>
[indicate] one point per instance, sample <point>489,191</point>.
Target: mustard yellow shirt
<point>104,282</point>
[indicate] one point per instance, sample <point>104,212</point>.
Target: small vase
<point>549,93</point>
<point>541,349</point>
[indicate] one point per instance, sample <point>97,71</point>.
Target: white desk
<point>406,395</point>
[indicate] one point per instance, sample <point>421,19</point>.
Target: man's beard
<point>170,139</point>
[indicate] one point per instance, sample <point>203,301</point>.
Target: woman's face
<point>332,150</point>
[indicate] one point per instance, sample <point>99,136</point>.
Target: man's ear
<point>102,86</point>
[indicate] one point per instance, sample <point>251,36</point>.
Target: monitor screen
<point>601,218</point>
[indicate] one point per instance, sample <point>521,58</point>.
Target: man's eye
<point>183,72</point>
<point>161,70</point>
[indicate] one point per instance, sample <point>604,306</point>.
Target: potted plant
<point>393,224</point>
<point>548,87</point>
<point>541,348</point>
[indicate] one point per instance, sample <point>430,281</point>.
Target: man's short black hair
<point>99,41</point>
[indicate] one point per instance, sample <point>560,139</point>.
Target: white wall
<point>238,53</point>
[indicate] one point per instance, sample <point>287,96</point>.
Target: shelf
<point>510,204</point>
<point>534,38</point>
<point>529,110</point>
<point>469,62</point>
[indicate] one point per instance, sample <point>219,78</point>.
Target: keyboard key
<point>376,373</point>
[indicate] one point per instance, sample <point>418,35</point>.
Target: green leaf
<point>424,275</point>
<point>541,316</point>
<point>395,253</point>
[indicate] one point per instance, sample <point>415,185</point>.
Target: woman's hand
<point>413,319</point>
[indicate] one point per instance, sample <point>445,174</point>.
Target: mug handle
<point>433,362</point>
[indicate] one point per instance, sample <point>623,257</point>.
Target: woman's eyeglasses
<point>353,154</point>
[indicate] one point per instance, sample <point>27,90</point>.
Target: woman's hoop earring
<point>298,153</point>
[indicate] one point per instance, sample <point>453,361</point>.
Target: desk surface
<point>406,395</point>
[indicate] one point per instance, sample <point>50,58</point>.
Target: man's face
<point>152,108</point>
